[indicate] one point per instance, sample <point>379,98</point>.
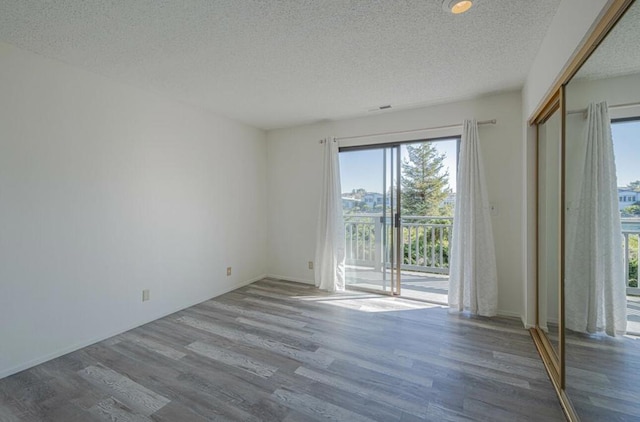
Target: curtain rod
<point>483,122</point>
<point>616,106</point>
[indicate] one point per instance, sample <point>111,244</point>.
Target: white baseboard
<point>516,315</point>
<point>85,343</point>
<point>509,314</point>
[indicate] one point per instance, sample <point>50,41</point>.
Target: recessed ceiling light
<point>457,6</point>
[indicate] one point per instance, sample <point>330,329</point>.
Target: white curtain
<point>473,281</point>
<point>330,243</point>
<point>595,291</point>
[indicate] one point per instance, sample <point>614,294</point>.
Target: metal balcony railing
<point>425,241</point>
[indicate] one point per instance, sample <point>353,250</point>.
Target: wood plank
<point>391,369</point>
<point>436,412</point>
<point>256,341</point>
<point>493,364</point>
<point>152,345</point>
<point>112,410</point>
<point>364,390</point>
<point>134,395</point>
<point>233,359</point>
<point>466,368</point>
<point>248,313</point>
<point>310,406</point>
<point>9,413</point>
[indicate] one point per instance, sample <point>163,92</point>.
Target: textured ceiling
<point>277,63</point>
<point>619,53</point>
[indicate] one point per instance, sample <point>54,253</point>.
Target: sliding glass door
<point>371,206</point>
<point>398,203</point>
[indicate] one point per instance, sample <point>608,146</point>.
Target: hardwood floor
<point>282,351</point>
<point>602,376</point>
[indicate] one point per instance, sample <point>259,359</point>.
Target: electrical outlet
<point>228,271</point>
<point>311,265</point>
<point>146,295</point>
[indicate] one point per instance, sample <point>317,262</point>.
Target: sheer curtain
<point>473,281</point>
<point>595,291</point>
<point>330,246</point>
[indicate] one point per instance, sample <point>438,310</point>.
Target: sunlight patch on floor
<point>369,302</point>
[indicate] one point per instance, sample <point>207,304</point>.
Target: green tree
<point>633,272</point>
<point>632,210</point>
<point>635,186</point>
<point>425,182</point>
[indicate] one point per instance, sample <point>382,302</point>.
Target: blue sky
<point>626,146</point>
<point>363,169</point>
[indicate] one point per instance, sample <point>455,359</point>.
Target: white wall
<point>573,22</point>
<point>294,177</point>
<point>106,190</point>
<point>570,26</point>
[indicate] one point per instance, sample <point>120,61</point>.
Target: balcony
<point>425,245</point>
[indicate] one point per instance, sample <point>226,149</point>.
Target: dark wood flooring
<point>283,351</point>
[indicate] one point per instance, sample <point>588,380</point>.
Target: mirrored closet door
<point>588,224</point>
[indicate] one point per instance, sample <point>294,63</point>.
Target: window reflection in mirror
<point>626,144</point>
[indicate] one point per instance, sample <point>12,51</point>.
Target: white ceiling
<point>619,52</point>
<point>278,63</point>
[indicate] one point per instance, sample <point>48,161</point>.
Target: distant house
<point>373,199</point>
<point>349,203</point>
<point>627,197</point>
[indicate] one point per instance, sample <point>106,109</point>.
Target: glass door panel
<point>549,199</point>
<point>370,184</point>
